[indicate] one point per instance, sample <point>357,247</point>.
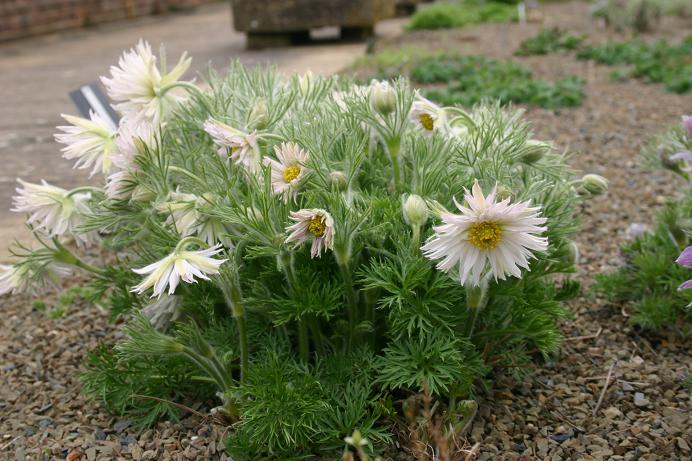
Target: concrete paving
<point>37,74</point>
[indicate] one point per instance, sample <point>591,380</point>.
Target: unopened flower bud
<point>594,184</point>
<point>502,192</point>
<point>382,97</point>
<point>535,150</point>
<point>339,180</point>
<point>142,193</point>
<point>305,82</point>
<point>259,116</point>
<point>573,255</point>
<point>415,211</point>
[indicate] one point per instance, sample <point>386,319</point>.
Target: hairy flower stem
<point>230,287</point>
<point>393,146</point>
<point>351,299</point>
<point>65,256</point>
<point>286,261</point>
<point>476,299</point>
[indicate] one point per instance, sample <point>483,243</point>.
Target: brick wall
<point>21,18</point>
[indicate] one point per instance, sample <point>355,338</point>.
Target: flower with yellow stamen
<point>288,171</point>
<point>315,224</point>
<point>498,235</point>
<point>427,116</point>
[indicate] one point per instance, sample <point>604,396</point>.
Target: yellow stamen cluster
<point>316,226</point>
<point>485,235</point>
<point>291,172</point>
<point>426,121</point>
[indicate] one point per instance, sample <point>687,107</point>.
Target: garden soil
<point>553,414</point>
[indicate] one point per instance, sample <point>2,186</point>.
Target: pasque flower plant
<point>296,238</point>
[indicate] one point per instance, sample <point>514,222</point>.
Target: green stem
<point>415,237</point>
<point>65,256</point>
<point>303,345</point>
<point>393,149</point>
<point>189,174</point>
<point>78,190</point>
<point>234,302</point>
<point>317,336</point>
<point>351,298</point>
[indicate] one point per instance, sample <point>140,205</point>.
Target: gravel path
<point>645,410</point>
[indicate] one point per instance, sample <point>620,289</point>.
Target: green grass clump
<point>656,62</point>
<point>472,79</point>
<point>650,277</point>
<point>460,14</point>
<point>549,41</point>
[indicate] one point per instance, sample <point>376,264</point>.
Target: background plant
<point>299,207</point>
<point>649,281</point>
<point>549,41</point>
<point>447,15</point>
<point>655,62</point>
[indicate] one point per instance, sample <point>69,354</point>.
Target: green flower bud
<point>535,150</point>
<point>259,116</point>
<point>415,211</point>
<point>143,194</point>
<point>594,184</point>
<point>382,97</point>
<point>339,180</point>
<point>572,255</point>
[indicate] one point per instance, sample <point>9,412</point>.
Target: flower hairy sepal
<point>415,210</point>
<point>259,115</point>
<point>144,339</point>
<point>593,184</point>
<point>534,151</point>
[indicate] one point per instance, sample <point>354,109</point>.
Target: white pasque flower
<point>139,88</point>
<point>241,147</point>
<point>185,216</point>
<point>134,135</point>
<point>90,141</point>
<point>426,115</point>
<point>289,171</point>
<point>312,223</point>
<point>53,209</point>
<point>180,265</point>
<point>31,278</point>
<point>162,311</point>
<point>486,231</point>
<point>383,96</point>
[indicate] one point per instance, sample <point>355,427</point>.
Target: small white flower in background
<point>90,141</point>
<point>426,115</point>
<point>163,311</point>
<point>306,82</point>
<point>180,265</point>
<point>486,231</point>
<point>52,209</point>
<point>31,279</point>
<point>288,172</point>
<point>241,147</point>
<point>139,88</point>
<point>315,224</point>
<point>341,98</point>
<point>356,439</point>
<point>636,230</point>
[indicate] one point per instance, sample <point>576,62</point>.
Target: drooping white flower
<point>53,209</point>
<point>31,278</point>
<point>180,265</point>
<point>289,171</point>
<point>90,141</point>
<point>498,234</point>
<point>134,135</point>
<point>315,224</point>
<point>241,147</point>
<point>182,209</point>
<point>427,116</point>
<point>139,88</point>
<point>163,311</point>
<point>186,217</point>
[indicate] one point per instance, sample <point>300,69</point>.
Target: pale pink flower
<point>312,224</point>
<point>289,171</point>
<point>241,147</point>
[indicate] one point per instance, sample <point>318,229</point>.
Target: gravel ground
<point>645,410</point>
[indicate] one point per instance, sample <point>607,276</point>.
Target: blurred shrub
<point>549,41</point>
<point>474,78</point>
<point>460,14</point>
<point>656,62</point>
